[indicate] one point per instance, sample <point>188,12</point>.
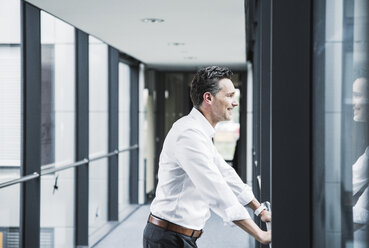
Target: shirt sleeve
<point>361,209</point>
<point>239,188</point>
<point>193,153</point>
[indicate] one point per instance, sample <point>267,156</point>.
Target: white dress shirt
<point>360,173</point>
<point>194,178</point>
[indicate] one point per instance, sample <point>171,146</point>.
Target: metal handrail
<point>20,180</point>
<point>50,168</point>
<point>115,152</point>
<point>127,149</point>
<point>64,167</point>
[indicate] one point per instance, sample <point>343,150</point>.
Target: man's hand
<point>266,216</point>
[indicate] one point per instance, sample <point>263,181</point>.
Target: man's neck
<point>207,114</point>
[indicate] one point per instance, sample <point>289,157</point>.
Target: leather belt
<point>174,227</point>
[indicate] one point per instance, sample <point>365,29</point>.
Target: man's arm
<point>265,215</point>
<point>250,227</point>
<point>239,188</point>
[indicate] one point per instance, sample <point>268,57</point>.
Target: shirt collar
<point>205,124</point>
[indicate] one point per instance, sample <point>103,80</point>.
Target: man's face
<point>360,100</point>
<point>224,101</point>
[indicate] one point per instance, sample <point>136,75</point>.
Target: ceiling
<point>208,31</point>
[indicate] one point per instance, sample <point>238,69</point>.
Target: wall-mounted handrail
<point>115,152</point>
<point>64,167</point>
<point>20,180</point>
<point>50,168</point>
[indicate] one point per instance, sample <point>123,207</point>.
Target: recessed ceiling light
<point>176,44</point>
<point>152,20</point>
<point>190,57</point>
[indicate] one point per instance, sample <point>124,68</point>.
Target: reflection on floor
<point>216,235</point>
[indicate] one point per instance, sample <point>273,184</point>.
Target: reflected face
<point>224,101</point>
<point>360,100</point>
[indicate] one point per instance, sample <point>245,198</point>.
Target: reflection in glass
<point>360,169</point>
<point>149,135</point>
<point>10,119</point>
<point>98,136</point>
<point>341,130</point>
<point>124,136</point>
<point>57,131</point>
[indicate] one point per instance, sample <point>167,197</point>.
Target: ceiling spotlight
<point>190,57</point>
<point>152,20</point>
<point>176,44</point>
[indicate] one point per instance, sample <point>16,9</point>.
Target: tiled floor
<point>129,233</point>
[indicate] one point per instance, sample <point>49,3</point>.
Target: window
<point>340,122</point>
<point>124,134</point>
<point>98,128</point>
<point>57,131</point>
<point>10,118</point>
<point>228,132</point>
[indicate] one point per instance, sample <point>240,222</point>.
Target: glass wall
<point>228,132</point>
<point>57,131</point>
<point>10,119</point>
<point>98,135</point>
<point>340,124</point>
<point>124,136</point>
<point>148,142</point>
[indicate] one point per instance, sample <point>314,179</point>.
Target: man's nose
<point>234,103</point>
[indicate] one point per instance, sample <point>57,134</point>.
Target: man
<point>194,178</point>
<point>360,169</point>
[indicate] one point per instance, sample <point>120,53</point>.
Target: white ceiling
<point>213,31</point>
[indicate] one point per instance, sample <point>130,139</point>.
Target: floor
<point>216,235</point>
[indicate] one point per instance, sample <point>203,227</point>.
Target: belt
<point>174,227</point>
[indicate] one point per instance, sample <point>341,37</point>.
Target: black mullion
<point>159,120</point>
<point>113,134</point>
<point>134,126</point>
<point>82,139</point>
<point>242,143</point>
<point>291,123</point>
<point>31,152</point>
<point>265,101</point>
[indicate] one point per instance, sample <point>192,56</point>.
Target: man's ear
<point>207,97</point>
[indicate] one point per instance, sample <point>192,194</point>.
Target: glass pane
<point>57,131</point>
<point>149,137</point>
<point>340,128</point>
<point>124,135</point>
<point>228,132</point>
<point>98,128</point>
<point>9,216</point>
<point>10,120</point>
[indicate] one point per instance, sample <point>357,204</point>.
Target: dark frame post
<point>82,139</point>
<point>31,151</point>
<point>113,134</point>
<point>159,120</point>
<point>291,123</point>
<point>134,127</point>
<point>265,84</point>
<point>242,143</point>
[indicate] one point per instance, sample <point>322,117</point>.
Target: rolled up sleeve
<point>194,154</point>
<point>240,189</point>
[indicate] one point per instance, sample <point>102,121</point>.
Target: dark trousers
<point>157,237</point>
